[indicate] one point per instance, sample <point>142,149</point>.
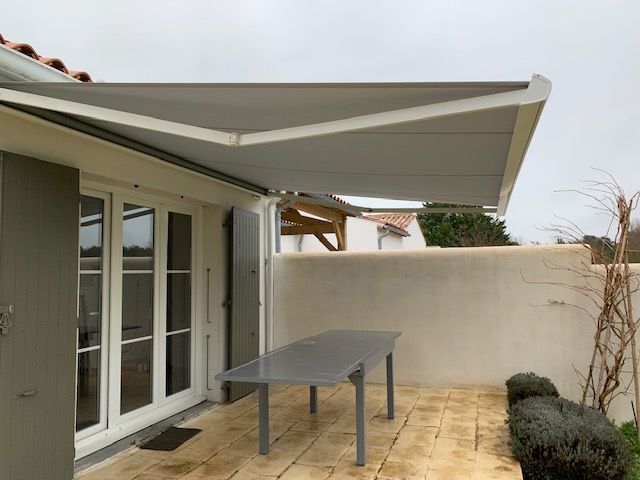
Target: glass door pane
<point>178,308</point>
<point>136,385</point>
<point>90,342</point>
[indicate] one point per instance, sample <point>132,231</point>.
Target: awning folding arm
<point>292,198</point>
<point>538,91</point>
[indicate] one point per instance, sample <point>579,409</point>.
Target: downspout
<point>381,236</point>
<point>268,281</point>
<point>20,67</point>
<point>277,221</point>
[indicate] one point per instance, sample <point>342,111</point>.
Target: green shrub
<point>525,385</point>
<point>628,430</point>
<point>554,438</point>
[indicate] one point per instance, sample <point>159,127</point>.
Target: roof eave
<point>26,68</point>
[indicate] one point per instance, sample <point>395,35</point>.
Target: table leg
<point>313,398</point>
<point>361,438</point>
<point>263,407</point>
<point>390,406</point>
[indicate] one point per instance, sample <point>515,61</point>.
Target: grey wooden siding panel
<point>244,328</point>
<point>39,275</point>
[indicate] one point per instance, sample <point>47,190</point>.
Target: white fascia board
<point>231,139</point>
<point>526,120</point>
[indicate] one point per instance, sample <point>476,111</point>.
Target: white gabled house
<point>368,232</point>
<point>173,189</point>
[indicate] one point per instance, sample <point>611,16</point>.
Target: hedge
<point>525,385</point>
<point>554,438</point>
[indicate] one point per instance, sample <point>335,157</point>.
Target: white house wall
<point>103,163</point>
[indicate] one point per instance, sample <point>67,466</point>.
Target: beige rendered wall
<point>467,315</point>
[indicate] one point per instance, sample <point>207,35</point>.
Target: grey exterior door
<point>244,324</point>
<point>39,277</point>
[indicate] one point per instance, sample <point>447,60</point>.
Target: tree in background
<point>634,242</point>
<point>462,229</point>
<point>607,247</point>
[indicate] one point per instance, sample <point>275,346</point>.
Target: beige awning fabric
<point>460,143</point>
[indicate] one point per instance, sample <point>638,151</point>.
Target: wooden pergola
<point>323,220</point>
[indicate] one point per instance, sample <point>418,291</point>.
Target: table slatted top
<point>321,360</point>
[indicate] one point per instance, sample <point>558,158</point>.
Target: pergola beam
<point>323,240</point>
<point>306,229</point>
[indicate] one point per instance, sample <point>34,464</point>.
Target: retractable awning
<point>458,143</point>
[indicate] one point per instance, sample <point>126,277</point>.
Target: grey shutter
<point>39,276</point>
<point>244,323</point>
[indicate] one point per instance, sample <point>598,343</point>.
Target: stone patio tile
<point>174,467</point>
<point>415,455</point>
<point>375,456</point>
<point>425,419</point>
<point>492,417</point>
<point>311,426</point>
<point>417,435</point>
<point>151,476</point>
<point>345,424</point>
<point>451,472</point>
<point>460,430</point>
<point>294,440</point>
<point>434,391</point>
<point>251,476</point>
<point>382,424</point>
<point>273,464</point>
<point>499,430</point>
<point>496,467</point>
<point>305,472</point>
<point>400,407</point>
<point>495,401</point>
<point>347,469</point>
<point>202,449</point>
<point>434,436</point>
<point>459,416</point>
<point>449,451</point>
<point>126,467</point>
<point>219,467</point>
<point>327,450</point>
<point>497,445</point>
<point>325,393</point>
<point>382,440</point>
<point>463,394</point>
<point>207,419</point>
<point>327,414</point>
<point>400,471</point>
<point>292,413</point>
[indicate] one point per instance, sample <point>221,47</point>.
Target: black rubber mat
<point>170,439</point>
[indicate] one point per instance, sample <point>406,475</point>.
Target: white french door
<point>136,327</point>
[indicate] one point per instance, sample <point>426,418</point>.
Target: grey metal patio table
<point>321,360</point>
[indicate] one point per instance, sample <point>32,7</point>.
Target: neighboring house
<point>384,231</point>
<point>137,227</point>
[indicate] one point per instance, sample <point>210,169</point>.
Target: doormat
<point>170,439</point>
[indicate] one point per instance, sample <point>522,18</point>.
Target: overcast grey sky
<point>589,50</point>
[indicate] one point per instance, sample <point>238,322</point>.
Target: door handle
<point>27,393</point>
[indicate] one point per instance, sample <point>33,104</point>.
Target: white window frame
<point>105,312</point>
<point>116,426</point>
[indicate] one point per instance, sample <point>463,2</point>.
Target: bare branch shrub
<point>606,280</point>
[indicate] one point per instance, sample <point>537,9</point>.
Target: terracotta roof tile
<point>29,51</point>
<point>397,220</point>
